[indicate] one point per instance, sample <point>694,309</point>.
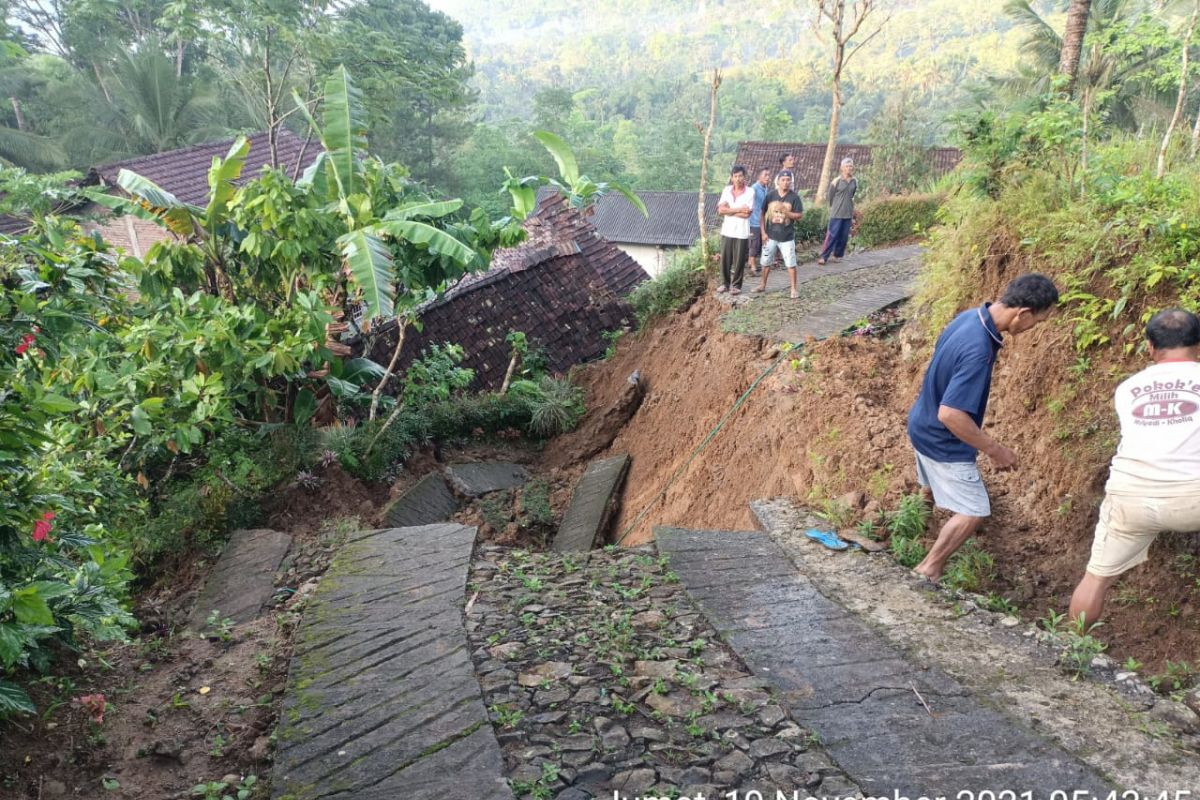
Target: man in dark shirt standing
<point>945,424</point>
<point>780,211</point>
<point>841,213</point>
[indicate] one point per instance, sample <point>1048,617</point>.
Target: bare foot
<point>722,289</point>
<point>735,291</point>
<point>795,295</point>
<point>758,290</point>
<point>821,261</point>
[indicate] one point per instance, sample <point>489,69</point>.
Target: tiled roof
<point>809,157</point>
<point>184,172</point>
<point>672,218</point>
<point>563,287</point>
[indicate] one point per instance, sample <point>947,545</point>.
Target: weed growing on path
<point>906,526</point>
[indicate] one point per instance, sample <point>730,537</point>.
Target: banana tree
<point>208,228</point>
<point>400,249</point>
<point>579,190</point>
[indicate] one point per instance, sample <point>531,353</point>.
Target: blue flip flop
<point>827,538</point>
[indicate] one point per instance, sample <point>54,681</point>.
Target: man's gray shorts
<point>956,486</point>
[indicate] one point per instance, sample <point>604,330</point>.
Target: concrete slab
<point>593,504</point>
<point>862,695</point>
<point>382,698</point>
<point>427,501</point>
<point>243,579</point>
<point>485,477</point>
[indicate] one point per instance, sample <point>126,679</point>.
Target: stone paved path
<point>382,697</point>
<point>427,501</point>
<point>808,271</point>
<point>1143,742</point>
<point>480,478</point>
<point>591,505</point>
<point>243,579</point>
<point>891,724</point>
<point>832,297</point>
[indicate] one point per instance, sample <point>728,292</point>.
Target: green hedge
<point>811,227</point>
<point>890,219</point>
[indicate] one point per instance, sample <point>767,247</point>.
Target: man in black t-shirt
<point>780,210</point>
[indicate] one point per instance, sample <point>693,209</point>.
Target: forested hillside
<point>625,79</point>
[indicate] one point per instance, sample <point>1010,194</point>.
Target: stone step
<point>480,478</point>
<point>382,699</point>
<point>890,724</point>
<point>243,579</point>
<point>427,501</point>
<point>593,505</point>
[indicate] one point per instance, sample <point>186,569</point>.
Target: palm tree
<point>34,153</point>
<point>158,109</point>
<point>1097,69</point>
<point>1072,46</point>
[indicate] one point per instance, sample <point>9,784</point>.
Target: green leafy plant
<point>1081,648</point>
<point>969,568</point>
<point>218,790</point>
<point>579,190</point>
<point>906,526</point>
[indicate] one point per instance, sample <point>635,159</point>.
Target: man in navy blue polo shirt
<point>945,425</point>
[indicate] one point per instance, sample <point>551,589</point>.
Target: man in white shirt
<point>736,205</point>
<point>1154,482</point>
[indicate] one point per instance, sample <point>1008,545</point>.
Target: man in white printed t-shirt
<point>1154,482</point>
<point>735,205</point>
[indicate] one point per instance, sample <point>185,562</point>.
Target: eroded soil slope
<point>830,421</point>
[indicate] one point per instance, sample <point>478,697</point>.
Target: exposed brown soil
<point>831,421</point>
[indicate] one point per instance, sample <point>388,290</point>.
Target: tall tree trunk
<point>712,119</point>
<point>1072,43</point>
<point>1196,136</point>
<point>18,112</point>
<point>835,119</point>
<point>1182,96</point>
<point>179,48</point>
<point>1083,154</point>
<point>100,80</point>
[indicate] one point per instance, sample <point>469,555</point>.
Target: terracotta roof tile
<point>184,172</point>
<point>563,287</point>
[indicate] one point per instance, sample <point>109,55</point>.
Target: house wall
<point>652,258</point>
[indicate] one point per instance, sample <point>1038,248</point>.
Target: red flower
<point>94,704</point>
<point>26,342</point>
<point>42,528</point>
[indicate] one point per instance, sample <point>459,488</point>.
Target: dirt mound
<point>831,421</point>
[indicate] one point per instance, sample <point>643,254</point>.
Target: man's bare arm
<point>961,425</point>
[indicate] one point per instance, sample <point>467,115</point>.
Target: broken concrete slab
<point>243,579</point>
<point>890,722</point>
<point>473,480</point>
<point>382,699</point>
<point>593,504</point>
<point>427,501</point>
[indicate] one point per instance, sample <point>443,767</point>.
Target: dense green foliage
<point>673,288</point>
<point>1120,240</point>
<point>148,403</point>
<point>890,219</point>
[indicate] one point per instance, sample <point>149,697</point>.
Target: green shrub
<point>906,526</point>
<point>196,510</point>
<point>538,409</point>
<point>555,406</point>
<point>812,226</point>
<point>890,219</point>
<point>675,287</point>
<point>970,568</point>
